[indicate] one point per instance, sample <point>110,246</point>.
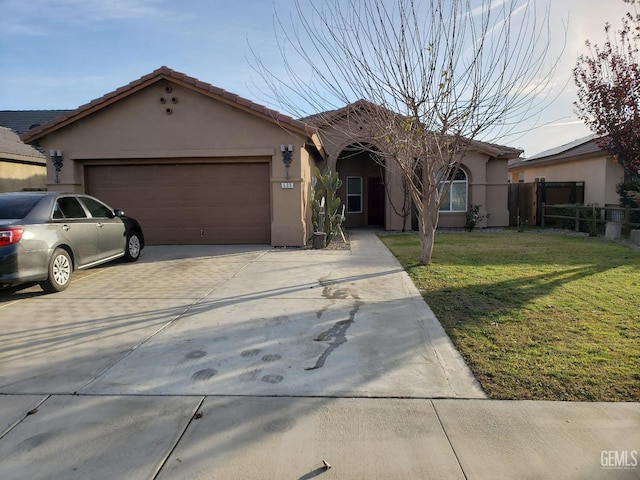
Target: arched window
<point>456,197</point>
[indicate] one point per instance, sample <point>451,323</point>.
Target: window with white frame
<point>455,199</point>
<point>354,194</point>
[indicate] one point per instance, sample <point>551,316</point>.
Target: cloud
<point>563,124</point>
<point>16,28</point>
<point>482,8</point>
<point>53,81</point>
<point>42,17</point>
<point>93,9</point>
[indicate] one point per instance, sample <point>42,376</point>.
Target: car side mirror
<point>119,213</point>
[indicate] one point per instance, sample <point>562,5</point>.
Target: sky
<point>60,54</point>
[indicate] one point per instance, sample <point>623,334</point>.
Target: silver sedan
<point>45,236</point>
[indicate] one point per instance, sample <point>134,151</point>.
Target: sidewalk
<point>242,362</point>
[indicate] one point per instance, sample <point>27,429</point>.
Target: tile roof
<point>578,148</point>
<point>497,150</point>
<point>326,118</point>
<point>308,125</point>
<point>584,143</point>
<point>21,121</point>
<point>179,78</point>
<point>11,148</point>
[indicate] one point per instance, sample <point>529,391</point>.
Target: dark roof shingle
<point>20,121</point>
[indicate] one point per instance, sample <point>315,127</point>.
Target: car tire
<point>133,247</point>
<point>60,271</point>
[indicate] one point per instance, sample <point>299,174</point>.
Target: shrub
<point>474,217</point>
<point>326,203</point>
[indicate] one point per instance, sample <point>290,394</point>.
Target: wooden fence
<point>526,199</point>
<point>589,218</point>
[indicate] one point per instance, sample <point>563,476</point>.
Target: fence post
<point>627,219</point>
<point>543,212</point>
<point>577,218</point>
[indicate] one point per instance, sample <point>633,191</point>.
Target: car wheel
<point>133,247</point>
<point>60,270</point>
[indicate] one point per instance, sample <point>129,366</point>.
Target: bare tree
<point>425,79</point>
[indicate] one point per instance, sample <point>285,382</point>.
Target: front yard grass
<point>545,317</point>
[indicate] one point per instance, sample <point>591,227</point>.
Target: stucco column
<point>288,227</point>
<point>290,199</point>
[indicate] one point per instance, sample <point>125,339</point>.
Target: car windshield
<point>16,207</point>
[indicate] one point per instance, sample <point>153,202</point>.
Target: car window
<point>68,207</point>
<point>15,207</point>
<point>96,208</point>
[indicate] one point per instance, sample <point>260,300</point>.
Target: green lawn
<point>536,316</point>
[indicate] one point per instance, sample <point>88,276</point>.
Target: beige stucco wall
<point>343,134</point>
<point>614,174</point>
<point>15,177</point>
<point>139,127</point>
<point>497,193</point>
<point>487,186</point>
<point>199,128</point>
<point>599,174</point>
<point>395,199</point>
<point>291,208</point>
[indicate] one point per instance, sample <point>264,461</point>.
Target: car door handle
<point>65,228</point>
<point>100,225</point>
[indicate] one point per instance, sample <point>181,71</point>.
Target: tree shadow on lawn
<point>512,248</point>
<point>482,300</point>
<point>521,347</point>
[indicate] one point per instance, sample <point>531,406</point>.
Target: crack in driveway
<point>337,333</point>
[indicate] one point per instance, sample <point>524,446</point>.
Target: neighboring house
<point>22,167</point>
<point>197,164</point>
<point>579,161</point>
<point>21,121</point>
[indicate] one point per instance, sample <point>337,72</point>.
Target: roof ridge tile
<point>165,71</point>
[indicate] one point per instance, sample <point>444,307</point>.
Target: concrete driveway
<point>221,320</point>
<point>252,362</point>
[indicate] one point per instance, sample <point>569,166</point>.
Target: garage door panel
<point>205,236</point>
<point>200,216</point>
<point>190,203</point>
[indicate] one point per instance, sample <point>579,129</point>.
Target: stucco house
<point>372,188</point>
<point>22,167</point>
<point>197,164</point>
<point>579,161</point>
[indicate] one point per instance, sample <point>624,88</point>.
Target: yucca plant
<point>326,203</point>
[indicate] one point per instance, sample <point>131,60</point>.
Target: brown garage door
<point>218,203</point>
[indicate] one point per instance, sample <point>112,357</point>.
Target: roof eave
<point>556,159</point>
<point>165,73</point>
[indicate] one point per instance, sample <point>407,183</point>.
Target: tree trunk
<point>427,222</point>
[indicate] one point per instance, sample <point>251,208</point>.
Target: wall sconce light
<point>56,158</point>
<point>287,153</point>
